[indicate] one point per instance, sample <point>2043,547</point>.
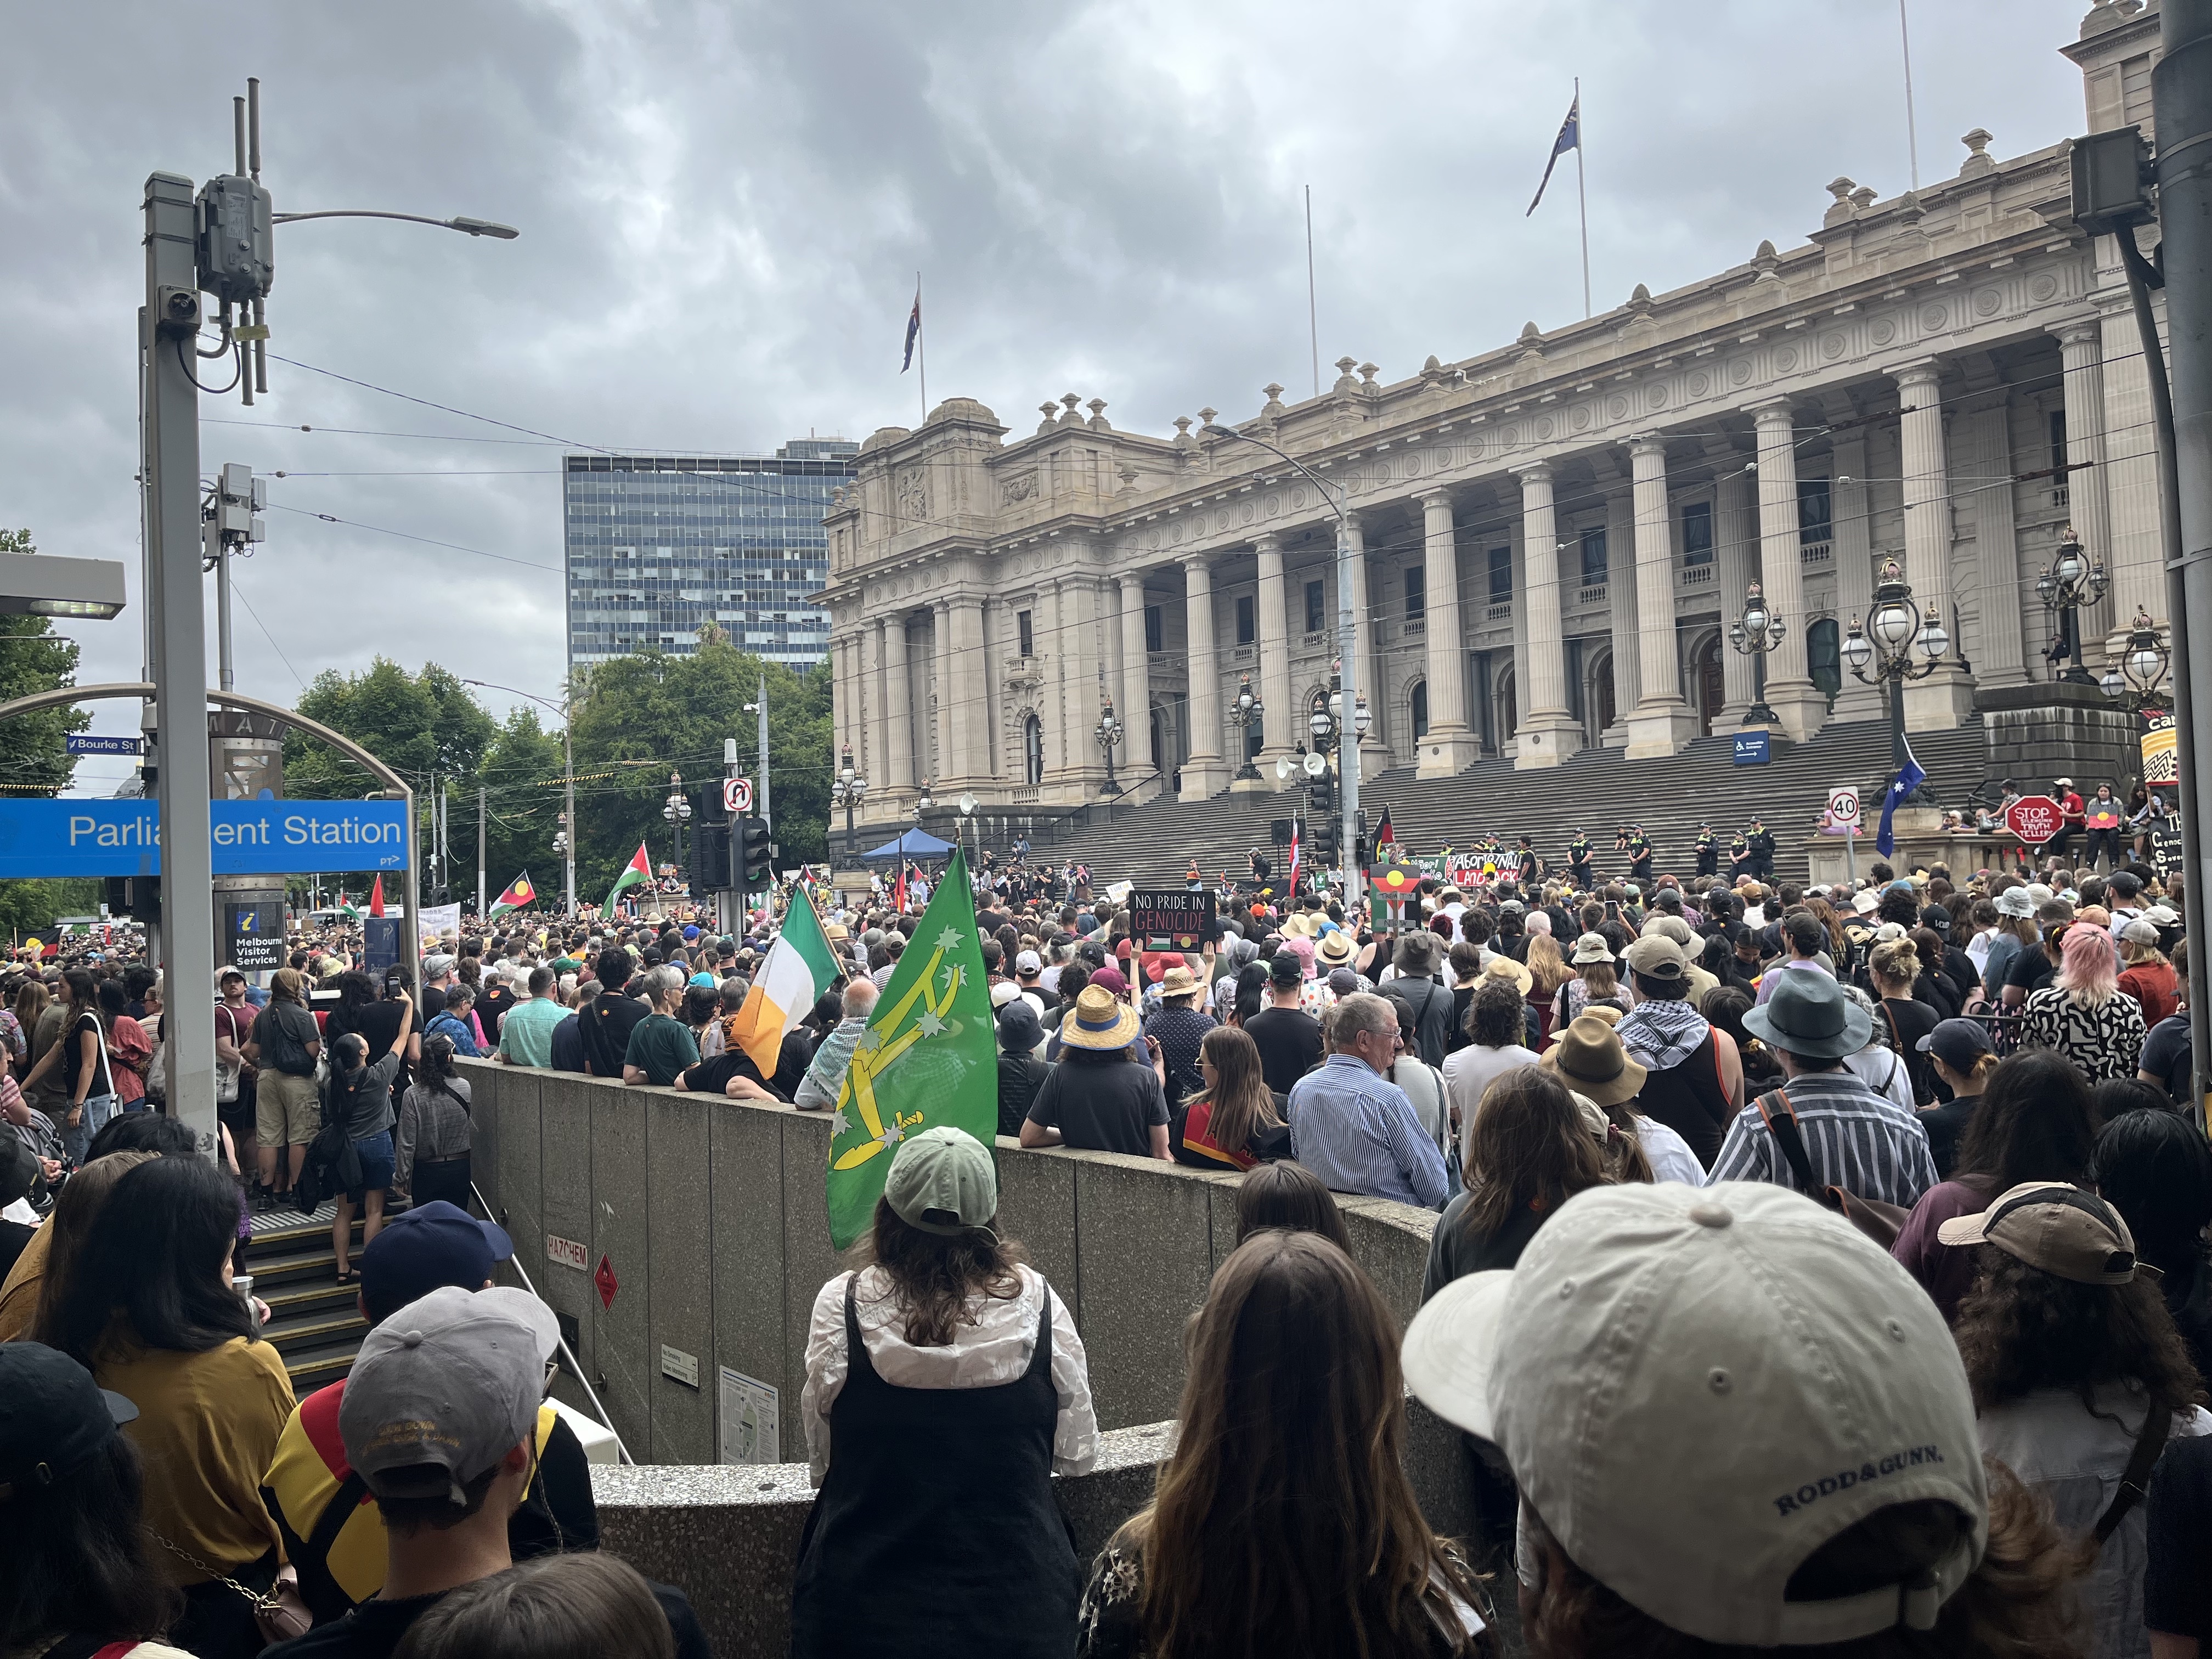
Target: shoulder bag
<point>1881,1222</point>
<point>2135,1484</point>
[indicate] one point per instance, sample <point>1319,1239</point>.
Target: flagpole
<point>921,348</point>
<point>1313,315</point>
<point>1582,194</point>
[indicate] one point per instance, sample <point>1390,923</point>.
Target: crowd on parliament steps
<point>1884,1207</point>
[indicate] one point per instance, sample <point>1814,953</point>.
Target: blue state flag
<point>1571,137</point>
<point>1909,778</point>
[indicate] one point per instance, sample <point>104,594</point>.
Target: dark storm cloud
<point>723,207</point>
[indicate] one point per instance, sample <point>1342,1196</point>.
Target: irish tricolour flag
<point>801,966</point>
<point>638,870</point>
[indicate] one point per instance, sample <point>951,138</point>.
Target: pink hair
<point>2088,973</point>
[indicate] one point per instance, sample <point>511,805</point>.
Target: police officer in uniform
<point>1739,856</point>
<point>1709,851</point>
<point>1762,850</point>
<point>1578,862</point>
<point>1639,855</point>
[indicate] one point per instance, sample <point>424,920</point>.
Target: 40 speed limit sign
<point>1844,805</point>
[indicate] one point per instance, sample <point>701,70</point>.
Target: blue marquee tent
<point>912,844</point>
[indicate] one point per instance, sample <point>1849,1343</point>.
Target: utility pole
<point>480,852</point>
<point>729,903</point>
<point>2181,105</point>
<point>178,633</point>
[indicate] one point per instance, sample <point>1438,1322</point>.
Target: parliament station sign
<point>249,837</point>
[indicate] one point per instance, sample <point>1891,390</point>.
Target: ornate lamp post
<point>678,810</point>
<point>1895,630</point>
<point>2138,680</point>
<point>1109,732</point>
<point>2072,580</point>
<point>1756,633</point>
<point>1243,713</point>
<point>846,789</point>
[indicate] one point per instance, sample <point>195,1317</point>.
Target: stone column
<point>961,669</point>
<point>1282,724</point>
<point>2000,649</point>
<point>1451,745</point>
<point>2136,553</point>
<point>1663,721</point>
<point>1085,602</point>
<point>1620,611</point>
<point>1134,701</point>
<point>990,730</point>
<point>1944,698</point>
<point>1790,690</point>
<point>2081,353</point>
<point>1736,556</point>
<point>945,763</point>
<point>1205,773</point>
<point>1547,734</point>
<point>898,706</point>
<point>1852,509</point>
<point>1375,752</point>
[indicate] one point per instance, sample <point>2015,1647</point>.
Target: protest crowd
<point>1816,1270</point>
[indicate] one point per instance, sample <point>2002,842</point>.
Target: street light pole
<point>2071,581</point>
<point>1896,627</point>
<point>1347,648</point>
<point>568,792</point>
<point>1754,634</point>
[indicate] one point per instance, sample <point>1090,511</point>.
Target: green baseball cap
<point>943,1181</point>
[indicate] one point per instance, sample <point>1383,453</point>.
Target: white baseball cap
<point>1698,1388</point>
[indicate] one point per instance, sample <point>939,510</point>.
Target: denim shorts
<point>375,1154</point>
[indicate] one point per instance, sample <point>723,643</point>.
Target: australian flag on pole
<point>1909,778</point>
<point>913,331</point>
<point>1571,137</point>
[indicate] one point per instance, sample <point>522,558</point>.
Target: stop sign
<point>2035,819</point>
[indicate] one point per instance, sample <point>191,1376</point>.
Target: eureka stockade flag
<point>801,966</point>
<point>929,1056</point>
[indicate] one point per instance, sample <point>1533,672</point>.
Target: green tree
<point>638,717</point>
<point>416,723</point>
<point>521,781</point>
<point>34,758</point>
<point>27,908</point>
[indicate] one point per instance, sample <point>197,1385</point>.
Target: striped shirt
<point>1854,1137</point>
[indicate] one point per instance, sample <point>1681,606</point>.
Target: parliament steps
<point>1596,791</point>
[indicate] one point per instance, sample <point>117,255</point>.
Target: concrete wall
<point>710,1214</point>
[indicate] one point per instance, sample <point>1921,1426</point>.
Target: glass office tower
<point>660,546</point>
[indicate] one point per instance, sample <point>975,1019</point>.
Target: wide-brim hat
<point>1099,1020</point>
<point>1590,1060</point>
<point>1591,947</point>
<point>1179,981</point>
<point>1808,1014</point>
<point>1502,967</point>
<point>2015,901</point>
<point>1336,949</point>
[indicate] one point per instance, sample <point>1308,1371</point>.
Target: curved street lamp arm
<point>461,222</point>
<point>1334,497</point>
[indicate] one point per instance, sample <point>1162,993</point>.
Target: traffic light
<point>1324,836</point>
<point>757,857</point>
<point>713,840</point>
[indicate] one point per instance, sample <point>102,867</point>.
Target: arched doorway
<point>1509,716</point>
<point>1417,706</point>
<point>1706,675</point>
<point>1032,751</point>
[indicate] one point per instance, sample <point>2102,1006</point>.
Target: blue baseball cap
<point>691,931</point>
<point>427,1247</point>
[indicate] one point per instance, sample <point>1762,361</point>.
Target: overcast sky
<point>723,208</point>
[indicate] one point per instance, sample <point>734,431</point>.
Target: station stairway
<point>313,1321</point>
<point>1597,790</point>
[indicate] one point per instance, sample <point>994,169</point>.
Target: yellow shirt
<point>207,1427</point>
<point>19,1296</point>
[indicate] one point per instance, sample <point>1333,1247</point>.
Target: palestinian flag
<point>929,1057</point>
<point>519,894</point>
<point>801,966</point>
<point>636,873</point>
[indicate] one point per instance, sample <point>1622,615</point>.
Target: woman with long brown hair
<point>955,1387</point>
<point>1547,972</point>
<point>1535,1144</point>
<point>2076,1366</point>
<point>1232,1123</point>
<point>1594,978</point>
<point>87,1067</point>
<point>1284,1523</point>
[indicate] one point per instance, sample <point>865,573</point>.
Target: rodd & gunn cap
<point>1797,1378</point>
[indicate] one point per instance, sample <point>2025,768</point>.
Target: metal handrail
<point>575,1365</point>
